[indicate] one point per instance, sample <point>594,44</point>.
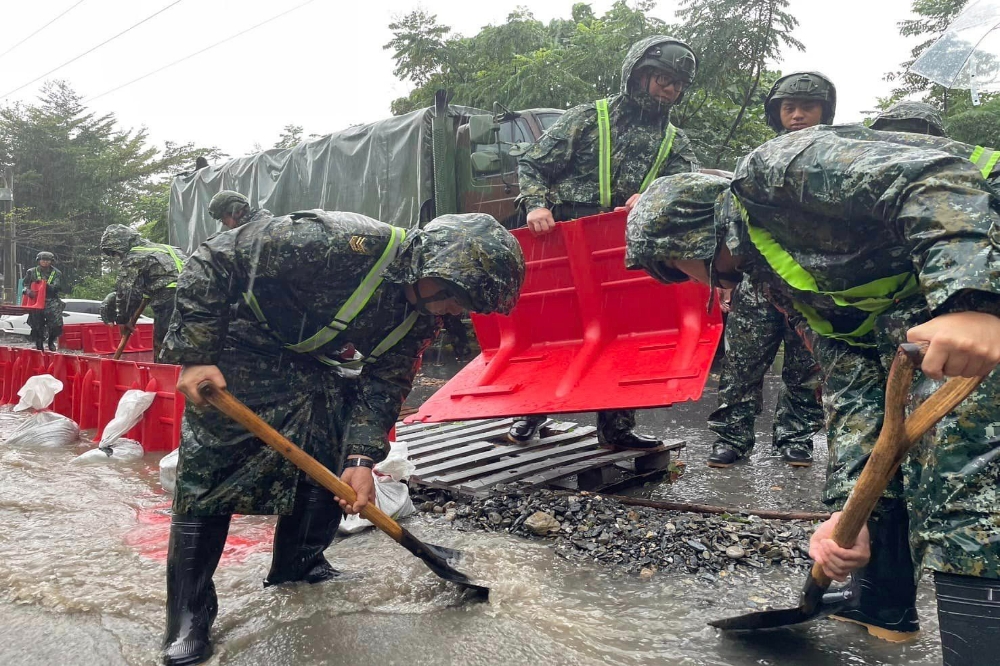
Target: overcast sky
<point>322,66</point>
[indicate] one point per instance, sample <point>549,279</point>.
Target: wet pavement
<point>81,579</point>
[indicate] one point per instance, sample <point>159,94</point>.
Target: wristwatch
<point>359,462</point>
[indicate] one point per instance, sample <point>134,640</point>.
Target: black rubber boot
<point>301,538</point>
<point>797,457</point>
<point>723,456</point>
<point>632,441</point>
<point>525,428</point>
<point>969,616</point>
<point>887,607</point>
<point>196,544</point>
<point>52,345</point>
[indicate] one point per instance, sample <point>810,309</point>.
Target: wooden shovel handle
<point>131,327</point>
<point>897,437</point>
<point>237,411</point>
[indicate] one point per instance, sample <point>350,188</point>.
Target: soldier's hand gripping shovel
<point>894,441</point>
<point>130,328</point>
<point>437,558</point>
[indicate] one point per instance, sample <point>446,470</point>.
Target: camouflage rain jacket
<point>51,316</point>
<point>300,270</point>
<point>147,269</point>
<point>561,169</point>
<point>850,206</point>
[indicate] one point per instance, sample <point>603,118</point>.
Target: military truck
<point>403,170</point>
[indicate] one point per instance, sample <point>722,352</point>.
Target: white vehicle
<point>78,311</point>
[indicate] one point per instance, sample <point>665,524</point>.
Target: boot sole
<point>800,464</point>
<point>880,632</point>
<point>511,438</point>
<point>720,465</point>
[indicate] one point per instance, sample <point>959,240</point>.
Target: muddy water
<point>81,582</point>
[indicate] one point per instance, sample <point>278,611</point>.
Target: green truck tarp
<point>383,170</point>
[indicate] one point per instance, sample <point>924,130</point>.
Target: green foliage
<point>75,173</point>
<point>291,136</point>
<point>976,125</point>
<point>524,63</point>
<point>94,287</point>
<point>934,18</point>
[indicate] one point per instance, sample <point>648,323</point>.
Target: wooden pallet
<point>473,457</point>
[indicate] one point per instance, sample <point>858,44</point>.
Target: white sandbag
<point>38,392</point>
<point>391,494</point>
<point>45,430</point>
<point>168,471</point>
<point>131,407</point>
<point>397,464</point>
<point>124,449</point>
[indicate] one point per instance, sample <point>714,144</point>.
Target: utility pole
<point>9,233</point>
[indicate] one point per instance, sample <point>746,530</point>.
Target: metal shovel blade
<point>439,560</point>
<point>816,603</point>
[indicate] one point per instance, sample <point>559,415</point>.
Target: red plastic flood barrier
<point>586,334</point>
<point>104,339</point>
<point>92,388</point>
<point>161,424</point>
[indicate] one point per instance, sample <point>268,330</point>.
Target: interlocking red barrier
<point>92,387</point>
<point>100,338</point>
<point>587,334</point>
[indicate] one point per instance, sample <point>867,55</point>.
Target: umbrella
<point>967,55</point>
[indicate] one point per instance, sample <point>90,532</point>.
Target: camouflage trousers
<point>754,331</point>
<point>948,480</point>
<point>161,321</point>
<point>47,324</point>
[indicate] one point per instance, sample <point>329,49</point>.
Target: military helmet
<point>800,85</point>
<point>118,239</point>
<point>672,56</point>
<point>227,202</point>
<point>471,251</point>
<point>907,116</point>
<point>45,255</point>
<point>675,219</point>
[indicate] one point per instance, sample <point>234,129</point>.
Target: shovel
<point>437,558</point>
<point>894,441</point>
<point>130,328</point>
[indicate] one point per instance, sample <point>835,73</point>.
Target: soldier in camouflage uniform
<point>48,323</point>
<point>316,320</point>
<point>755,329</point>
<point>148,270</point>
<point>560,176</point>
<point>232,210</point>
<point>912,117</point>
<point>924,222</point>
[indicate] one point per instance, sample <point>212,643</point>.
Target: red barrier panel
<point>103,339</point>
<point>116,378</point>
<point>161,424</point>
<point>586,334</point>
<point>87,392</point>
<point>7,358</point>
<point>72,337</point>
<point>64,368</point>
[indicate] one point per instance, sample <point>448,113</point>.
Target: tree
<point>736,39</point>
<point>935,17</point>
<point>76,173</point>
<point>524,63</point>
<point>291,136</point>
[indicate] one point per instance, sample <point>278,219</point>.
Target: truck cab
<point>487,160</point>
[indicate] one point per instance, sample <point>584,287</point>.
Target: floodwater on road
<point>82,551</point>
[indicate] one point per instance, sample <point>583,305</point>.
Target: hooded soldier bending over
<point>316,320</point>
<point>602,155</point>
<point>865,240</point>
<point>148,270</point>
